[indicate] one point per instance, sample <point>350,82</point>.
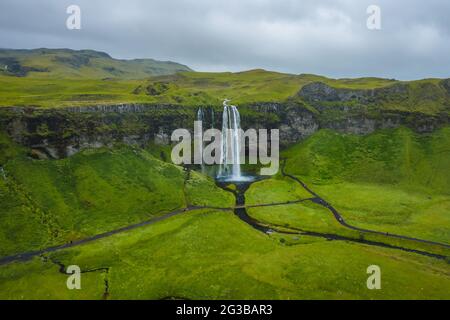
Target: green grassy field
<point>310,217</point>
<point>397,157</point>
<point>52,202</point>
<point>187,88</point>
<point>214,255</point>
<point>392,181</point>
<point>89,87</point>
<point>391,209</point>
<point>87,64</point>
<point>395,181</point>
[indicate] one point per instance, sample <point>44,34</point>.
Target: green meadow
<point>214,255</point>
<point>394,180</point>
<point>186,240</point>
<point>190,89</point>
<point>49,202</point>
<point>187,88</point>
<point>211,254</point>
<point>391,181</point>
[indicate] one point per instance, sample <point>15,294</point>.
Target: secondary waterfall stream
<point>200,117</point>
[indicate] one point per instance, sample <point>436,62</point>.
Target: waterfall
<point>230,145</point>
<point>200,117</point>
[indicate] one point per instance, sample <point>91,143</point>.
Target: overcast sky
<point>327,37</point>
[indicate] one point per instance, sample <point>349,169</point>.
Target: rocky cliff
<point>362,111</point>
<point>56,133</point>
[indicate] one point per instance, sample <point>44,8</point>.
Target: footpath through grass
<point>393,180</point>
<point>49,202</point>
<point>214,255</point>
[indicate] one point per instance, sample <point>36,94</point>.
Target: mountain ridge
<point>69,63</point>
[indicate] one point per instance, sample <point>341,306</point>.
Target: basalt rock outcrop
<point>57,133</point>
<point>362,111</point>
<point>321,92</point>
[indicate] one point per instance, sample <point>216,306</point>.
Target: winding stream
<point>240,210</point>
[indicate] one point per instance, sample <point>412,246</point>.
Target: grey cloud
<point>326,37</point>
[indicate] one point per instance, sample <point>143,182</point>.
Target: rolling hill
<point>67,63</point>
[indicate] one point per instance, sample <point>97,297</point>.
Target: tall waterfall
<point>230,167</point>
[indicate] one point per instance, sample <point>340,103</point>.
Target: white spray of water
<point>230,145</point>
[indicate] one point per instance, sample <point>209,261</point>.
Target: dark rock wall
<point>57,133</point>
<point>63,132</point>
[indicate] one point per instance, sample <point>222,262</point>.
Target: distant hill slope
<point>67,63</point>
<point>63,77</point>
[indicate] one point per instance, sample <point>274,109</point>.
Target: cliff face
<point>57,133</point>
<point>362,111</point>
<point>321,92</point>
<point>63,132</point>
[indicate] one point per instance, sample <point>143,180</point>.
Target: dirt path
<point>240,210</point>
<point>317,199</point>
<point>30,254</point>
